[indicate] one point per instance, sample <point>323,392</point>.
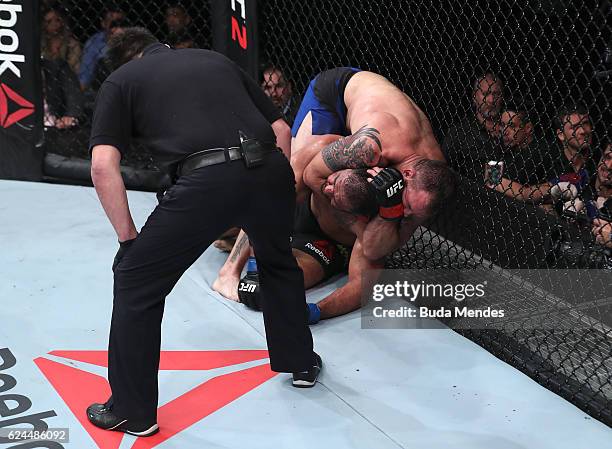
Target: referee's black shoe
<point>307,379</point>
<point>102,416</point>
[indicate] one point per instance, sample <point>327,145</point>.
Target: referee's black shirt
<point>179,102</point>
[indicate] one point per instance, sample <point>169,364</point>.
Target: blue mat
<point>379,388</point>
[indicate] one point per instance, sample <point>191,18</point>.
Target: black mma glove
<point>248,291</point>
<point>123,248</point>
<point>248,287</point>
<point>388,187</point>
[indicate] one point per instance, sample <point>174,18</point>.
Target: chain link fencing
<point>73,40</point>
<point>522,88</point>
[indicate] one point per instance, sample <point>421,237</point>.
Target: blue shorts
<point>325,100</point>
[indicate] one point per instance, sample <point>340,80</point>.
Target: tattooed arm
<point>359,150</point>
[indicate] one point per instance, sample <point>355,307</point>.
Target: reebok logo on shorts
<point>323,248</point>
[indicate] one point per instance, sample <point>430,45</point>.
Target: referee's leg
<point>269,227</point>
<point>181,227</point>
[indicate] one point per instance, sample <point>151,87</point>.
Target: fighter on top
<point>351,120</point>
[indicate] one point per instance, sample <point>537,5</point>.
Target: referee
<point>212,126</point>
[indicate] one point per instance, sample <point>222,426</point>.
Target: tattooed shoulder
<point>359,150</point>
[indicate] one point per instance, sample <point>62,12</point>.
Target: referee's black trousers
<point>202,205</point>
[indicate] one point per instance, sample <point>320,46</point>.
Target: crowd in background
<point>73,71</point>
<point>557,166</point>
<point>499,144</point>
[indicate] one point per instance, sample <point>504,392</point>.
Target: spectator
<point>280,90</point>
<point>95,47</point>
<point>571,165</point>
<point>57,42</point>
<point>63,100</point>
<point>177,24</point>
<point>601,207</point>
<point>516,129</point>
<point>602,230</point>
<point>603,180</point>
<point>525,160</point>
<point>574,137</point>
<point>63,110</point>
<point>183,40</point>
<point>103,69</point>
<point>473,141</point>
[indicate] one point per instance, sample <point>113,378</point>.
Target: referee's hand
<point>123,249</point>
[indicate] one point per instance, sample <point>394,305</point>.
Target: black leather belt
<point>214,156</point>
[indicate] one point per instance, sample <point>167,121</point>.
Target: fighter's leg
<point>229,275</point>
<point>228,279</point>
<point>226,241</point>
<point>313,271</point>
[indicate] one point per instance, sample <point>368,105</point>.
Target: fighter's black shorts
<point>324,99</point>
<point>309,238</point>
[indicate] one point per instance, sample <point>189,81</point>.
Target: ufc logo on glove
<point>388,186</point>
<point>398,186</point>
<point>249,288</point>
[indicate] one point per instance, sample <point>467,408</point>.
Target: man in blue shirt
<point>95,47</point>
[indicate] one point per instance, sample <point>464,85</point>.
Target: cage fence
<point>513,90</point>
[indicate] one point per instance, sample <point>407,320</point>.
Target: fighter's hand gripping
<point>388,186</point>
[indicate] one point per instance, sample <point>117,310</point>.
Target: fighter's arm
<point>348,297</point>
<point>381,237</point>
<point>106,177</point>
<point>283,136</point>
<point>391,228</point>
<point>362,149</point>
<point>302,154</point>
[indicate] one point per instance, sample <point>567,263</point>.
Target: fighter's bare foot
<point>227,286</point>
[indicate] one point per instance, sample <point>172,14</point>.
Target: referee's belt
<point>214,156</point>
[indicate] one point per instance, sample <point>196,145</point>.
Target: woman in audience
<point>57,40</point>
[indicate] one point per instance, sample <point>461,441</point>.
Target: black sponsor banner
<point>20,91</point>
<point>234,25</point>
